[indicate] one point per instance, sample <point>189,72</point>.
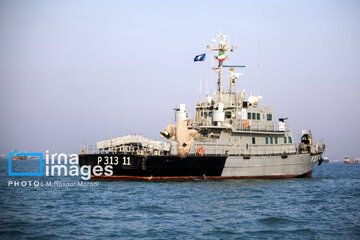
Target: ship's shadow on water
<point>321,207</point>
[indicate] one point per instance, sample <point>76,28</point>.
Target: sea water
<point>325,206</point>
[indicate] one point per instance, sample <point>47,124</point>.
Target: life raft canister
<point>201,150</point>
<point>246,123</point>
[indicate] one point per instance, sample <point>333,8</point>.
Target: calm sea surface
<point>325,206</point>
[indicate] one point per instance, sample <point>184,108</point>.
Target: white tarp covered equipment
<point>133,139</point>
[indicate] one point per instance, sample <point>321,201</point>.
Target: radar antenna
<point>224,51</point>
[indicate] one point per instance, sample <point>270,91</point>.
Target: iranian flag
<point>221,57</point>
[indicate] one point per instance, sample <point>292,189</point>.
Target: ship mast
<point>223,53</point>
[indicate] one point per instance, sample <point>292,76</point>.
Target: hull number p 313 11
<point>113,160</point>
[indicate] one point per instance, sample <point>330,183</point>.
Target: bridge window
<point>249,115</point>
<point>205,114</point>
<point>258,116</point>
<point>269,117</point>
<point>254,116</point>
<point>228,114</point>
<point>271,140</point>
<point>253,140</point>
<point>266,141</point>
<point>284,139</point>
<point>290,140</point>
<point>210,114</point>
<point>276,142</point>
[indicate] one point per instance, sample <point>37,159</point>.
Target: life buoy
<point>246,123</point>
<point>201,150</point>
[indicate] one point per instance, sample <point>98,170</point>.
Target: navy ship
<point>230,137</point>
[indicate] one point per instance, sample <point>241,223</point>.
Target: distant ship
<point>348,160</point>
<point>326,160</point>
<point>230,137</point>
<point>17,157</point>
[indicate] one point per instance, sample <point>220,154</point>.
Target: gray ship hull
<point>270,166</point>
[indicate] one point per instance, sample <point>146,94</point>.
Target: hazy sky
<point>76,71</point>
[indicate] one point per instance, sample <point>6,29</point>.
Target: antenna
<point>111,144</point>
<point>258,69</point>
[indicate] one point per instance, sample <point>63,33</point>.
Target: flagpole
<point>206,83</point>
<point>201,76</point>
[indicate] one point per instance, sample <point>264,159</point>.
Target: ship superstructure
<point>229,137</point>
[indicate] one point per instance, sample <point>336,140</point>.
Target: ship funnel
<point>219,114</point>
<point>180,114</point>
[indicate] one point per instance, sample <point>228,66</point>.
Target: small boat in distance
<point>17,157</point>
<point>326,160</point>
<point>348,160</point>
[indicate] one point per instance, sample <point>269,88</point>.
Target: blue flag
<point>200,57</point>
